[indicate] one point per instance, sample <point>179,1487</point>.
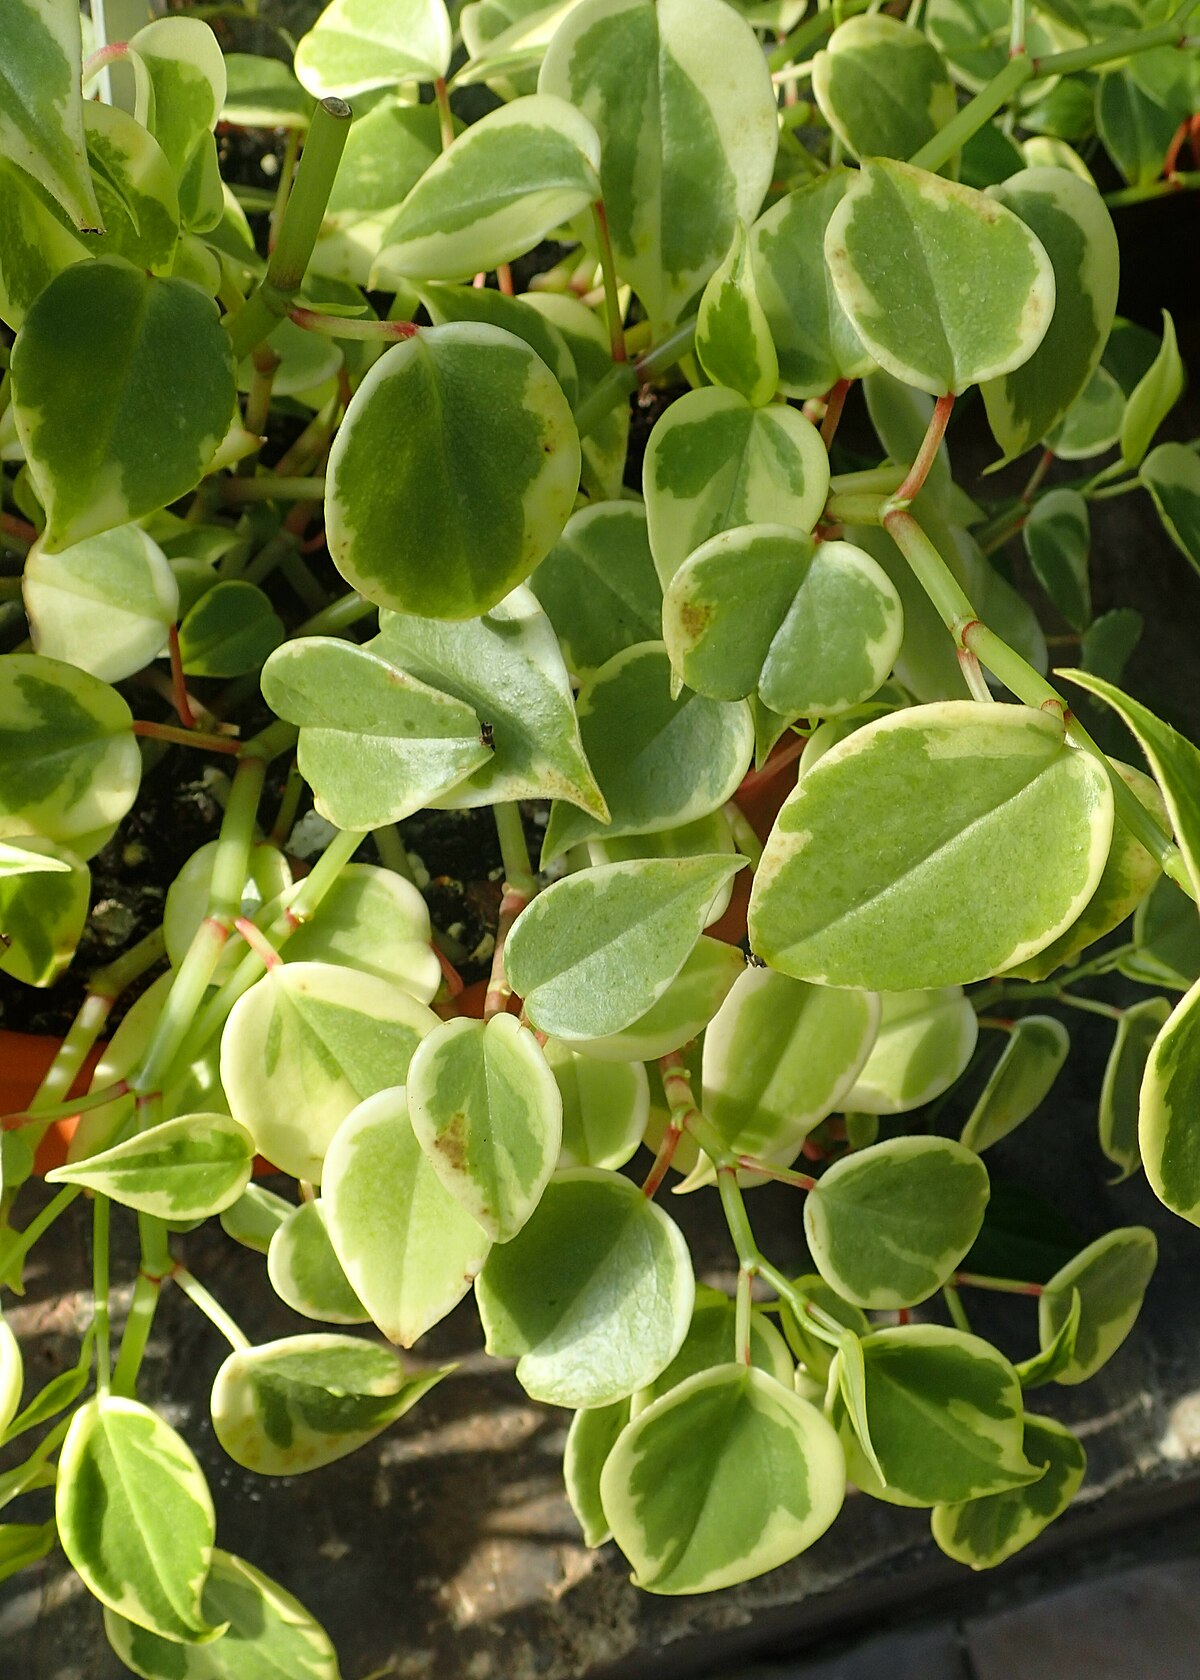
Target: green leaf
<point>815,342</point>
<point>714,463</point>
<point>305,1272</point>
<point>268,1633</point>
<point>135,188</point>
<point>925,1040</point>
<point>594,951</point>
<point>1092,424</point>
<point>681,98</point>
<point>268,874</point>
<point>712,1340</point>
<point>989,157</point>
<point>727,1476</point>
<point>980,301</point>
<point>779,1056</point>
<point>882,87</point>
<point>1167,1133</point>
<point>590,1439</point>
<point>1111,1276</point>
<point>1153,397</point>
<point>511,314</point>
<point>230,631</point>
<point>408,1247</point>
<point>1135,129</point>
<point>186,1168</point>
<point>12,1376</point>
<point>263,93</point>
<point>104,452</point>
<point>187,75</point>
<point>1174,761</point>
<point>887,1226</point>
<point>487,1113</point>
<point>598,586</point>
<point>356,45</point>
<point>135,1517</point>
<point>59,1393</point>
<point>501,188</point>
<point>42,913</point>
<point>606,444</point>
<point>605,1106</point>
<point>1057,538</point>
<point>974,36</point>
<point>36,243</point>
<point>733,339</point>
<point>980,837</point>
<point>1109,641</point>
<point>945,1416</point>
<point>809,1347</point>
<point>375,744</point>
<point>1137,1029</point>
<point>681,1013</point>
<point>593,1296</point>
<point>104,605</point>
<point>69,763</point>
<point>295,1404</point>
<point>1171,473</point>
<point>813,631</point>
<point>41,106</point>
<point>1045,1365</point>
<point>376,922</point>
<point>1020,1081</point>
<point>452,474</point>
<point>507,665</point>
<point>255,1217</point>
<point>305,1046</point>
<point>983,1532</point>
<point>660,760</point>
<point>1069,217</point>
<point>22,1544</point>
<point>708,836</point>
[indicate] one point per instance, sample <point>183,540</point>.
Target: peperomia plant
<point>199,441</point>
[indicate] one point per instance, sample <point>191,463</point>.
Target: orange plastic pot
<point>25,1059</point>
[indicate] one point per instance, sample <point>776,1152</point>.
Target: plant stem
<point>22,1241</point>
<point>498,989</point>
<point>623,378</point>
<point>781,1175</point>
<point>138,1322</point>
<point>612,298</point>
<point>926,456</point>
<point>1176,181</point>
<point>349,326</point>
<point>835,402</point>
<point>441,96</point>
<point>662,1160</point>
<point>268,487</point>
<point>518,871</point>
<point>298,229</point>
<point>101,1209</point>
<point>211,1308</point>
<point>741,1332</point>
<point>812,30</point>
<point>287,174</point>
<point>973,115</point>
<point>1003,1286</point>
<point>203,739</point>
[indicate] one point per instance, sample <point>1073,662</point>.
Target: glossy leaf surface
<point>1111,1276</point>
<point>733,337</point>
<point>605,1106</point>
<point>882,87</point>
<point>983,1532</point>
<point>41,107</point>
<point>598,586</point>
<point>1020,1081</point>
<point>1171,473</point>
<point>305,1272</point>
<point>104,605</point>
<point>1139,1026</point>
<point>356,45</point>
<point>924,1042</point>
<point>186,1168</point>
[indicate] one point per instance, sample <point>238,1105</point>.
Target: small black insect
<point>485,735</point>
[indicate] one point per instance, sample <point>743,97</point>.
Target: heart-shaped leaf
<point>967,1443</point>
<point>305,1046</point>
<point>135,187</point>
<point>486,1110</point>
<point>305,1272</point>
<point>598,586</point>
<point>888,1225</point>
<point>981,836</point>
<point>409,1249</point>
<point>594,1295</point>
<point>1111,1276</point>
<point>596,950</point>
<point>511,314</point>
<point>814,340</point>
<point>714,463</point>
<point>733,338</point>
<point>102,452</point>
<point>69,763</point>
<point>681,1013</point>
<point>882,87</point>
<point>812,630</point>
<point>507,665</point>
<point>977,302</point>
<point>267,1632</point>
<point>727,1476</point>
<point>375,744</point>
<point>104,605</point>
<point>135,1517</point>
<point>304,1401</point>
<point>41,105</point>
<point>185,1168</point>
<point>925,1040</point>
<point>506,182</point>
<point>983,1532</point>
<point>356,45</point>
<point>231,630</point>
<point>1020,1081</point>
<point>605,1106</point>
<point>681,99</point>
<point>453,472</point>
<point>661,760</point>
<point>255,1217</point>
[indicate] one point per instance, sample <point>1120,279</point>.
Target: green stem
<point>298,230</point>
<point>267,487</point>
<point>741,1333</point>
<point>1016,34</point>
<point>338,617</point>
<point>955,1308</point>
<point>1177,181</point>
<point>1002,1286</point>
<point>1118,46</point>
<point>876,481</point>
<point>138,1323</point>
<point>343,326</point>
<point>973,115</point>
<point>101,1210</point>
<point>518,871</point>
<point>623,378</point>
<point>734,1204</point>
<point>812,30</point>
<point>441,95</point>
<point>22,1241</point>
<point>211,1308</point>
<point>612,298</point>
<point>932,573</point>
